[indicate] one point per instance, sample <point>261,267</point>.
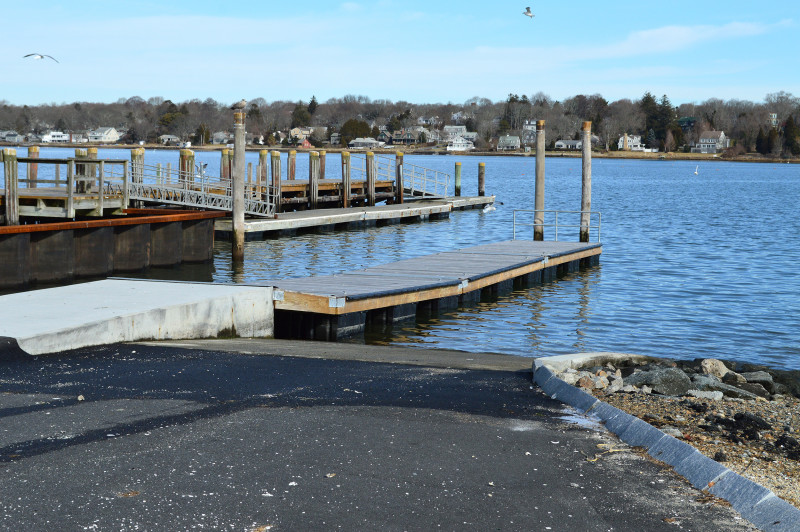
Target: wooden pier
<point>333,306</point>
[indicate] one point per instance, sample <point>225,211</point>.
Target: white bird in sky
<point>528,13</point>
<point>41,56</point>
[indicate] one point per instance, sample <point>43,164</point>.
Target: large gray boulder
<point>665,381</point>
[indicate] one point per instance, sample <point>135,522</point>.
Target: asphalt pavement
<point>250,435</point>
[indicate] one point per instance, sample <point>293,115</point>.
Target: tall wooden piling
<point>81,173</point>
<point>237,187</point>
<point>398,178</point>
<point>91,169</point>
<point>322,157</point>
<point>276,179</point>
<point>261,174</point>
<point>371,179</point>
<point>186,168</point>
<point>481,179</point>
<point>313,179</point>
<point>33,168</point>
<point>11,175</point>
<point>538,200</point>
<point>137,170</point>
<point>345,179</point>
<point>586,181</point>
<point>458,179</point>
<point>225,164</point>
<point>291,165</point>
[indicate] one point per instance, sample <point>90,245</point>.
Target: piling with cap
<point>458,179</point>
<point>275,164</point>
<point>371,179</point>
<point>11,175</point>
<point>481,179</point>
<point>81,173</point>
<point>538,201</point>
<point>291,165</point>
<point>225,164</point>
<point>313,179</point>
<point>186,168</point>
<point>322,157</point>
<point>237,186</point>
<point>586,181</point>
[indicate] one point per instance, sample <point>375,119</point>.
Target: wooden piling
<point>91,169</point>
<point>249,186</point>
<point>33,168</point>
<point>291,165</point>
<point>458,179</point>
<point>81,173</point>
<point>586,181</point>
<point>11,175</point>
<point>371,179</point>
<point>398,178</point>
<point>538,202</point>
<point>237,187</point>
<point>137,171</point>
<point>322,157</point>
<point>345,179</point>
<point>481,179</point>
<point>261,174</point>
<point>276,179</point>
<point>313,179</point>
<point>186,167</point>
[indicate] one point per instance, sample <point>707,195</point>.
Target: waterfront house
<point>385,136</point>
<point>460,144</point>
<point>365,143</point>
<point>172,140</point>
<point>55,137</point>
<point>336,139</point>
<point>451,132</point>
<point>529,132</point>
<point>630,143</point>
<point>508,143</point>
<point>711,142</point>
<point>103,134</point>
<point>11,137</point>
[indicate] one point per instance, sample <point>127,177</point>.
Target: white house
<point>529,132</point>
<point>169,139</point>
<point>11,136</point>
<point>55,136</point>
<point>630,143</point>
<point>460,144</point>
<point>569,144</point>
<point>508,142</point>
<point>365,143</point>
<point>451,132</point>
<point>104,134</point>
<point>711,142</point>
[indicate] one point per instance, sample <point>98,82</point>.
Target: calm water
<point>693,265</point>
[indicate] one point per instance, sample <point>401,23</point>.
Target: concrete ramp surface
<point>124,310</point>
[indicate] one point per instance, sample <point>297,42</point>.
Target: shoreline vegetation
<point>599,154</point>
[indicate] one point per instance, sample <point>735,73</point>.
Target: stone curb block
<point>754,502</point>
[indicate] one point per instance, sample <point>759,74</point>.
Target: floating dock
<point>326,307</point>
<point>288,223</point>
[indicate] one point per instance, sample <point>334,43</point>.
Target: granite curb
<point>754,502</point>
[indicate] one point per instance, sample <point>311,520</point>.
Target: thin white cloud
<point>350,7</point>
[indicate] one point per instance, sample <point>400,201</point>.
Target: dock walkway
<point>326,307</point>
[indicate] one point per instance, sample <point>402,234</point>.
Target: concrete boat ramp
<point>323,307</point>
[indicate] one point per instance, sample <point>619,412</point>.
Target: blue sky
<point>422,52</point>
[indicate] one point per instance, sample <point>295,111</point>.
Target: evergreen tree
<point>791,132</point>
<point>312,105</point>
<point>773,142</point>
<point>652,140</point>
<point>649,107</point>
<point>761,142</point>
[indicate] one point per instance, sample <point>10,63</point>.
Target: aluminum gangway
<point>418,181</point>
<point>164,184</point>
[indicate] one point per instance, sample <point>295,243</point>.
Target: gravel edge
<point>754,502</point>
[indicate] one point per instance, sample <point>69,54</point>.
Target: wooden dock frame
<point>332,307</point>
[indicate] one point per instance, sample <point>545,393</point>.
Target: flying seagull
<point>41,56</point>
<point>241,104</point>
<point>528,13</point>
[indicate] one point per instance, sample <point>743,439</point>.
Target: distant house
<point>104,134</point>
<point>451,132</point>
<point>529,132</point>
<point>711,142</point>
<point>385,136</point>
<point>630,143</point>
<point>365,143</point>
<point>508,143</point>
<point>336,139</point>
<point>55,137</point>
<point>569,144</point>
<point>169,140</point>
<point>11,137</point>
<point>220,137</point>
<point>460,144</point>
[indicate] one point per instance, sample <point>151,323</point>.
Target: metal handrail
<point>555,225</point>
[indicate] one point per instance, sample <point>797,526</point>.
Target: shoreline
<point>670,156</point>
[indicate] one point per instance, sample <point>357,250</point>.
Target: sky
<point>416,51</point>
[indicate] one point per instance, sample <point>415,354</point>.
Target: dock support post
<point>91,169</point>
<point>261,173</point>
<point>481,179</point>
<point>186,167</point>
<point>398,177</point>
<point>33,168</point>
<point>249,188</point>
<point>345,179</point>
<point>80,170</point>
<point>291,165</point>
<point>538,203</point>
<point>237,186</point>
<point>370,179</point>
<point>11,169</point>
<point>313,179</point>
<point>586,181</point>
<point>225,164</point>
<point>137,170</point>
<point>276,180</point>
<point>71,189</point>
<point>322,157</point>
<point>458,180</point>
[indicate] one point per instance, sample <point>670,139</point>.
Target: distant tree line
<point>769,127</point>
